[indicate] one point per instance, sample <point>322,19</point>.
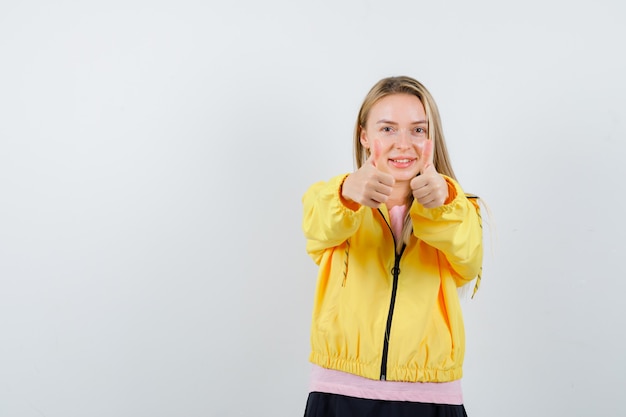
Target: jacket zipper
<point>396,273</point>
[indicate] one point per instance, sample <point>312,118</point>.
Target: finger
<point>380,198</point>
<point>421,194</point>
<point>418,182</point>
<point>374,152</point>
<point>427,154</point>
<point>384,189</point>
<point>386,179</point>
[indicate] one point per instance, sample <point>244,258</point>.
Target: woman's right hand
<point>368,186</point>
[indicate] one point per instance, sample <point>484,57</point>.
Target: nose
<point>403,139</point>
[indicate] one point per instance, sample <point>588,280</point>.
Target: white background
<point>153,156</point>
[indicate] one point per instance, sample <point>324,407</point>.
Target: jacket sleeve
<point>327,221</point>
<point>455,230</point>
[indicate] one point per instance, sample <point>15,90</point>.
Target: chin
<point>404,176</point>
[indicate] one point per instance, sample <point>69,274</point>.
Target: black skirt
<point>321,404</point>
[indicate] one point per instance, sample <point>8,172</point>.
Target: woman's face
<point>395,131</point>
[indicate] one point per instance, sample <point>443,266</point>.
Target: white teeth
<point>401,161</point>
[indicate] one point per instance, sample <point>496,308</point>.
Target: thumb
<point>374,152</point>
<point>427,154</point>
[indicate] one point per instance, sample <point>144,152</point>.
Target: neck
<point>399,194</point>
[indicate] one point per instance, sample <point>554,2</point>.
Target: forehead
<point>399,108</point>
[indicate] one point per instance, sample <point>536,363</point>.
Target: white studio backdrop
<point>153,156</point>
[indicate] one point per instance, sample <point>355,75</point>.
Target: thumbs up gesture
<point>429,188</point>
<point>369,186</point>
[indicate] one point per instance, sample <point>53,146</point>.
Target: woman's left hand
<point>429,188</point>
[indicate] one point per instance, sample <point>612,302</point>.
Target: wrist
<point>345,200</point>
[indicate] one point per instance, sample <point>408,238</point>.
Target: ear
<point>363,138</point>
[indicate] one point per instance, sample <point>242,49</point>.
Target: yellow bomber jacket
<point>386,316</point>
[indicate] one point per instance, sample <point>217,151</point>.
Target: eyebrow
<point>391,122</point>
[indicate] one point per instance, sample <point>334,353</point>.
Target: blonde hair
<point>441,158</point>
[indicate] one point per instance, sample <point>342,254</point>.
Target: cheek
<point>387,147</point>
<point>421,148</point>
<point>385,151</point>
<point>419,145</point>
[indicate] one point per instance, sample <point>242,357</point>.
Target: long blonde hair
<point>405,85</point>
<point>441,158</point>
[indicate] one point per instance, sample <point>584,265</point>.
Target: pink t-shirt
<point>342,383</point>
<point>396,215</point>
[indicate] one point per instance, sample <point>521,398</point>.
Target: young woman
<point>393,241</point>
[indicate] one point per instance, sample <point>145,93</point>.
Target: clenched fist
<point>368,185</point>
<point>429,188</point>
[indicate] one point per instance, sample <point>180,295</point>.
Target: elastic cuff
<point>451,192</point>
<point>352,205</point>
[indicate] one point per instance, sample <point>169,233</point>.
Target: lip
<point>402,161</point>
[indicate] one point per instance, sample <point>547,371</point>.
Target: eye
<point>387,129</point>
<point>419,131</point>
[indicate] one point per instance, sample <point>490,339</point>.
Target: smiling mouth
<point>401,161</point>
